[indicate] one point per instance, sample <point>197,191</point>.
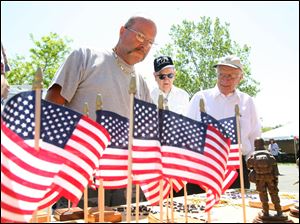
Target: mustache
<point>137,49</point>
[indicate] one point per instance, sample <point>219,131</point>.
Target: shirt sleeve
<point>71,73</point>
<point>255,130</point>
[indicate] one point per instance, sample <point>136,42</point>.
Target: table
<point>229,209</point>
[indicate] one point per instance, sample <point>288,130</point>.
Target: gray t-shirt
<point>86,73</point>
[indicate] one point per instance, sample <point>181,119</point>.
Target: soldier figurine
<point>264,173</point>
<point>294,210</point>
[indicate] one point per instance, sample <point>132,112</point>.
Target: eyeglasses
<point>141,37</point>
<point>228,76</point>
<point>163,76</point>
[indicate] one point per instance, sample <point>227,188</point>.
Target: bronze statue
<point>264,173</point>
<point>294,210</point>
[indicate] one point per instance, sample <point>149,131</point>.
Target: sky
<point>270,28</point>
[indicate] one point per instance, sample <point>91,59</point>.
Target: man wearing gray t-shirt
<point>87,73</point>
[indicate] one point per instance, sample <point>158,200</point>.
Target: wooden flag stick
<point>161,106</point>
<point>101,192</point>
<point>137,205</point>
<point>171,199</point>
<point>185,203</point>
<point>85,193</point>
<point>37,86</point>
<point>167,208</point>
<point>208,213</point>
<point>237,115</point>
<point>48,214</point>
<point>202,109</point>
<point>165,107</point>
<point>201,105</point>
<point>208,216</point>
<point>85,205</point>
<point>161,217</point>
<point>101,201</point>
<point>132,91</point>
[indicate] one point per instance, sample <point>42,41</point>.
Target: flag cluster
<point>166,146</point>
<point>70,147</point>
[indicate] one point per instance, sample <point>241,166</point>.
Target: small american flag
<point>227,127</point>
<point>75,140</point>
<point>113,164</point>
<point>26,175</point>
<point>229,124</point>
<point>194,152</point>
<point>146,156</point>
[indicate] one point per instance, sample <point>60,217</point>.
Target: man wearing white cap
<point>220,103</point>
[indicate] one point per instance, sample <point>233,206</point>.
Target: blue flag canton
<point>229,124</point>
<point>145,120</point>
<point>57,123</point>
<point>179,131</point>
<point>207,119</point>
<point>226,126</point>
<point>117,126</point>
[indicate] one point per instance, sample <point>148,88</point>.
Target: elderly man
<point>220,103</point>
<point>175,98</point>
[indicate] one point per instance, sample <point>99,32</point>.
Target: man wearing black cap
<point>220,103</point>
<point>175,99</point>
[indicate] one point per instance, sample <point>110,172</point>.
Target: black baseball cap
<point>163,62</point>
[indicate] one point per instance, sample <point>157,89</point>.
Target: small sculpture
<point>294,210</point>
<point>264,173</point>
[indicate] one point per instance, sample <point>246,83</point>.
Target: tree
<point>195,48</point>
<point>48,54</point>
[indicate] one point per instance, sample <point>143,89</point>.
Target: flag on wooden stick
<point>192,151</point>
<point>74,140</point>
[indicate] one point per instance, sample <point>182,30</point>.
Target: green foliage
<point>196,47</point>
<point>48,53</point>
<point>265,129</point>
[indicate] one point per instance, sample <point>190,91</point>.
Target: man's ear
<point>242,76</point>
<point>154,75</point>
<point>122,29</point>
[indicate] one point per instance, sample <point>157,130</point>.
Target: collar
<point>216,92</point>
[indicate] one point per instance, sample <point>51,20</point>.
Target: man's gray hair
<point>131,21</point>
